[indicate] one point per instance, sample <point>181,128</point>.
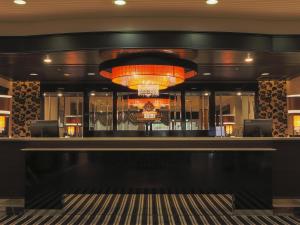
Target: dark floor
<point>145,209</point>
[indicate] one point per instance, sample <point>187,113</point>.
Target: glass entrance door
<point>232,108</point>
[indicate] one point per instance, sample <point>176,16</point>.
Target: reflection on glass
<point>101,111</point>
<point>145,114</point>
<point>67,109</point>
<point>232,108</point>
<point>197,110</point>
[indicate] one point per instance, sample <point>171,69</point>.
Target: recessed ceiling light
<point>59,94</point>
<point>249,59</point>
<point>206,74</point>
<point>265,74</point>
<point>212,2</point>
<point>120,2</point>
<point>20,2</point>
<point>47,59</point>
<point>91,74</point>
<point>92,93</point>
<point>33,74</point>
<point>206,93</point>
<point>239,93</point>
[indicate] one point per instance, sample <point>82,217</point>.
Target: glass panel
<point>101,111</point>
<point>67,109</point>
<point>232,108</point>
<point>139,114</point>
<point>197,110</point>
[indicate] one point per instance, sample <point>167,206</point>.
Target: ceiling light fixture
<point>148,73</point>
<point>20,2</point>
<point>249,59</point>
<point>67,74</point>
<point>265,74</point>
<point>206,93</point>
<point>239,93</point>
<point>33,74</point>
<point>92,93</point>
<point>212,2</point>
<point>47,60</point>
<point>91,74</point>
<point>206,74</point>
<point>119,2</point>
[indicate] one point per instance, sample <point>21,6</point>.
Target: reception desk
<point>247,168</point>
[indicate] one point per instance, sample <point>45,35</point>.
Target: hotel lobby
<point>149,112</point>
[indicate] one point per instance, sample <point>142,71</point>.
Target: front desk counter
<point>251,169</point>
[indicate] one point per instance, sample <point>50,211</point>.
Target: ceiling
<point>73,16</point>
<point>225,65</point>
<point>42,9</point>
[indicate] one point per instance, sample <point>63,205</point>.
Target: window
<point>232,108</point>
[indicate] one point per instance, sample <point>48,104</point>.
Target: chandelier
<point>149,108</point>
<point>156,102</point>
<point>148,73</point>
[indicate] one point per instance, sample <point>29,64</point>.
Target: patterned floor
<point>146,209</point>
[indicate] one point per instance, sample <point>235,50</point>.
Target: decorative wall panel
<point>25,107</point>
<point>273,105</point>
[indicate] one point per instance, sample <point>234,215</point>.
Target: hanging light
<point>156,102</point>
<point>148,73</point>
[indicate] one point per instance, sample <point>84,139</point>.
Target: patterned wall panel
<point>273,105</point>
<point>25,106</point>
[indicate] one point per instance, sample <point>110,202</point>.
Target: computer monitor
<point>258,128</point>
<point>44,128</point>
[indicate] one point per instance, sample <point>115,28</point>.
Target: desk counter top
<point>163,139</point>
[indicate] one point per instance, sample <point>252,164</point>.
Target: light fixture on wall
<point>212,2</point>
<point>20,2</point>
<point>148,73</point>
<point>249,58</point>
<point>120,2</point>
<point>5,102</point>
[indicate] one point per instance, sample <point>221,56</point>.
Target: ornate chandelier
<point>156,102</point>
<point>148,73</point>
<point>149,108</point>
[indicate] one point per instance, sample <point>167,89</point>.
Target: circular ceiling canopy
<point>148,73</point>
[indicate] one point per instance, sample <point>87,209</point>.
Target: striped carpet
<point>146,209</point>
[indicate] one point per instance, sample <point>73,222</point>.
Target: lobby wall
<point>273,104</point>
<point>25,106</point>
